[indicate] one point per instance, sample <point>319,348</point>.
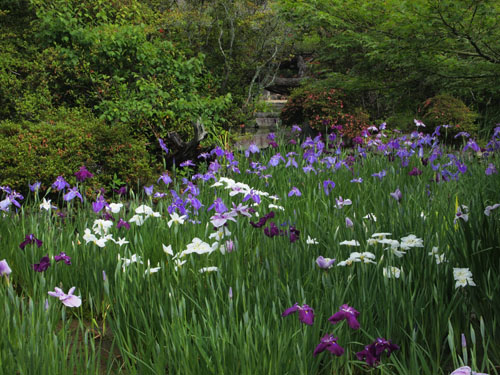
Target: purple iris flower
<point>72,193</point>
<point>163,145</point>
<point>121,191</point>
<point>217,151</point>
<point>306,313</point>
<point>4,268</point>
<point>397,195</point>
<point>296,128</point>
<point>462,134</point>
<point>60,183</point>
<point>262,221</point>
<point>219,206</point>
<point>43,265</point>
<point>29,239</point>
<point>471,143</point>
<point>271,136</point>
<point>122,223</point>
<point>371,353</point>
<point>275,160</point>
<point>291,162</point>
<point>309,168</point>
<point>187,163</point>
<point>324,263</point>
<point>273,144</point>
<point>99,204</point>
<point>35,186</point>
<point>380,174</point>
<point>295,191</point>
<point>148,190</point>
<point>272,231</point>
<point>348,313</point>
<point>329,342</point>
<point>165,178</point>
<point>83,174</point>
<point>62,256</point>
<point>328,185</point>
<point>254,196</point>
<point>348,223</point>
<point>415,172</point>
<point>332,137</point>
<point>294,234</point>
<point>491,169</point>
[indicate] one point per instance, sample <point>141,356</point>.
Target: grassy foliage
<point>174,319</point>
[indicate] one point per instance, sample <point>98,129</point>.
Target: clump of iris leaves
<point>193,274</point>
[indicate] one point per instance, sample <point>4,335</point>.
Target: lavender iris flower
<point>163,145</point>
<point>254,196</point>
<point>67,299</point>
<point>397,195</point>
<point>295,191</point>
<point>466,370</point>
<point>380,174</point>
<point>187,163</point>
<point>72,193</point>
<point>148,190</point>
<point>296,128</point>
<point>357,180</point>
<point>328,185</point>
<point>43,265</point>
<point>165,178</point>
<point>62,257</point>
<point>324,263</point>
<point>4,268</point>
<point>83,174</point>
<point>491,169</point>
<point>348,313</point>
<point>462,134</point>
<point>275,160</point>
<point>306,313</point>
<point>29,239</point>
<point>329,342</point>
<point>60,183</point>
<point>348,223</point>
<point>35,186</point>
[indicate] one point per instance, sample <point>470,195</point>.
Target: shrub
<point>322,109</point>
<point>444,109</point>
<point>41,151</point>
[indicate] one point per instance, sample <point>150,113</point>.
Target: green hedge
<point>42,151</point>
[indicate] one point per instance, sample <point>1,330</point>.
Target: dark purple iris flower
<point>348,313</point>
<point>83,174</point>
<point>273,144</point>
<point>262,221</point>
<point>163,145</point>
<point>121,191</point>
<point>62,256</point>
<point>35,186</point>
<point>371,353</point>
<point>295,191</point>
<point>328,185</point>
<point>29,239</point>
<point>271,136</point>
<point>43,265</point>
<point>306,313</point>
<point>122,223</point>
<point>329,342</point>
<point>60,183</point>
<point>72,193</point>
<point>272,231</point>
<point>294,234</point>
<point>292,142</point>
<point>415,172</point>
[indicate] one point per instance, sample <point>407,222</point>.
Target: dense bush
<point>321,109</point>
<point>44,150</point>
<point>444,109</point>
